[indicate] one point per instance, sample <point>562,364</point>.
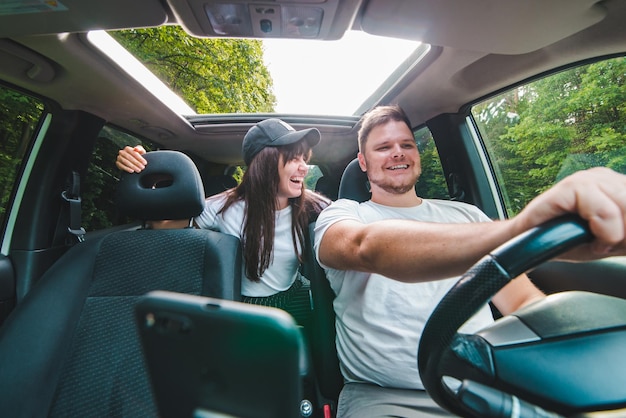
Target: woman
<point>269,211</point>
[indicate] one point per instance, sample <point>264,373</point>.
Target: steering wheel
<point>558,356</point>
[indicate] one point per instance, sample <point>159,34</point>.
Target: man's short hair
<point>380,115</point>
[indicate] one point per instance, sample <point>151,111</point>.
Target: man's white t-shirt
<point>283,269</point>
<point>379,320</point>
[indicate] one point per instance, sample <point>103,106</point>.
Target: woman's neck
<point>282,203</point>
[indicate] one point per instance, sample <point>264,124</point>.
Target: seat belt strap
<point>72,196</point>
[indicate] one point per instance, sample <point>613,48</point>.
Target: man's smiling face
<point>391,158</point>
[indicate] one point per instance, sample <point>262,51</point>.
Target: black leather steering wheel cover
<point>476,287</point>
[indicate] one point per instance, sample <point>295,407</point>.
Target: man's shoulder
<point>339,210</point>
<point>451,204</point>
<point>462,207</point>
<point>344,203</point>
<point>340,206</point>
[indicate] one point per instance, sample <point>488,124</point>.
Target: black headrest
<point>169,187</point>
<point>354,184</point>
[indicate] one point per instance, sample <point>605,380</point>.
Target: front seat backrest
<point>321,335</point>
<point>354,184</point>
<point>71,347</point>
<point>169,187</point>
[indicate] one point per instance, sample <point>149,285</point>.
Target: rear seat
<point>217,184</point>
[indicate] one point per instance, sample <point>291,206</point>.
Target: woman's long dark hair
<point>259,189</point>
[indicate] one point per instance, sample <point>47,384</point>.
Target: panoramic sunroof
<point>309,77</point>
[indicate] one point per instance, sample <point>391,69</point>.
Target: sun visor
<point>512,27</point>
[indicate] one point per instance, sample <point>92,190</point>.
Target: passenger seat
<point>71,347</point>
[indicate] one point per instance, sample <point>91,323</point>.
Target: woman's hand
<point>130,159</point>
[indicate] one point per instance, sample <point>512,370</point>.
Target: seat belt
<point>72,196</point>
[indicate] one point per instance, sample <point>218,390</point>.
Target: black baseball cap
<point>274,133</point>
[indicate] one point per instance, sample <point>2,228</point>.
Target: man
<point>391,259</point>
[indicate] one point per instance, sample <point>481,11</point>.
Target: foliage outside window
<point>19,117</point>
<point>432,182</point>
<point>98,190</point>
<point>538,133</point>
<point>211,75</point>
<point>314,174</point>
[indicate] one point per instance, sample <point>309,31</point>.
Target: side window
<point>432,182</point>
<point>309,181</point>
<point>314,174</point>
<point>19,117</point>
<point>540,132</point>
<point>98,191</point>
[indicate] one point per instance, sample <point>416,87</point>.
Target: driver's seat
<point>354,185</point>
<point>71,348</point>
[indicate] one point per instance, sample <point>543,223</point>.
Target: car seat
<point>218,184</point>
<point>71,347</point>
<point>325,186</point>
<point>321,334</point>
<point>354,184</point>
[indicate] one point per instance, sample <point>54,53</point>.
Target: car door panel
<point>30,265</point>
<point>606,276</point>
<point>7,287</point>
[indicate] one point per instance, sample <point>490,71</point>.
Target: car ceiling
<point>478,47</point>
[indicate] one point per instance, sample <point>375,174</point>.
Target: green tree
<point>540,139</point>
<point>600,116</point>
<point>211,75</point>
<point>540,132</point>
<point>432,183</point>
<point>19,116</point>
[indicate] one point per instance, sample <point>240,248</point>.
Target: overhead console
<point>295,19</point>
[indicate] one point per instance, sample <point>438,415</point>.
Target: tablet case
<point>209,357</point>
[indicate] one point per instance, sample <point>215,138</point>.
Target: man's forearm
<point>412,251</point>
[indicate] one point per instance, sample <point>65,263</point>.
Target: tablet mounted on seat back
<point>212,357</point>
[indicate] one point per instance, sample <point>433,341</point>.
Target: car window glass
<point>19,118</point>
<point>540,132</point>
<point>432,182</point>
<point>98,190</point>
<point>314,174</point>
<point>309,181</point>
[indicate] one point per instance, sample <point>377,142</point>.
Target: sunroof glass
<point>307,76</point>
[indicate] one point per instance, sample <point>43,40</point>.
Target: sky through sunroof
<point>331,77</point>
